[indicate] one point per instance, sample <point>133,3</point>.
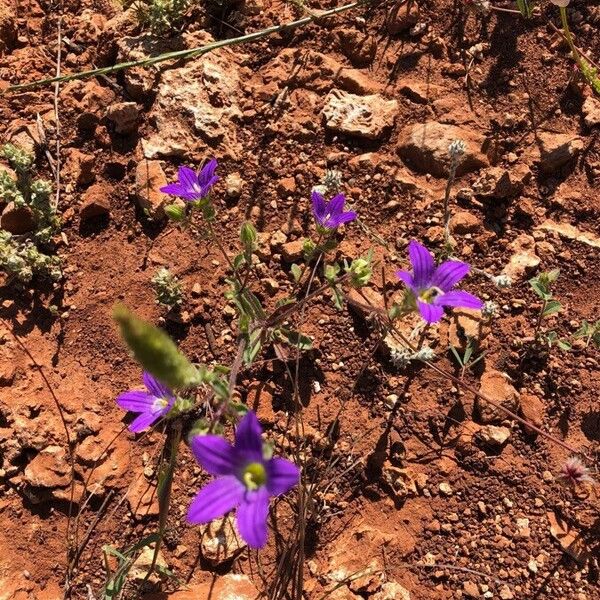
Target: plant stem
<point>539,320</point>
<point>449,183</point>
<point>165,482</point>
<point>569,38</point>
<point>188,53</point>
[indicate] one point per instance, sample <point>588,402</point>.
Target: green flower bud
<point>248,236</point>
<point>175,212</point>
<point>155,350</point>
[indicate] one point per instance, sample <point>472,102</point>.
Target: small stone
<point>143,562</point>
<point>591,111</point>
<point>471,590</point>
<point>221,542</point>
<point>532,566</point>
<point>292,251</point>
<point>149,178</point>
<point>391,590</point>
<point>360,48</point>
<point>286,187</point>
<point>494,437</point>
<point>49,469</point>
<point>125,116</point>
<point>464,222</point>
<point>496,182</point>
<point>95,202</point>
<point>142,498</point>
<point>569,232</point>
<point>403,16</point>
<point>80,167</point>
<point>497,387</point>
<point>234,185</point>
<point>505,593</point>
<point>17,219</point>
<point>532,410</point>
<point>524,260</point>
<point>445,489</point>
<point>425,147</point>
<point>557,149</point>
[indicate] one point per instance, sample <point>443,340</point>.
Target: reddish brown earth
<point>477,518</point>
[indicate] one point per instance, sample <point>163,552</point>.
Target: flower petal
<point>430,312</point>
<point>214,453</point>
<point>207,173</point>
<point>459,298</point>
<point>336,205</point>
<point>143,421</point>
<point>187,178</point>
<point>448,274</point>
<point>407,279</point>
<point>282,476</point>
<point>215,499</point>
<point>136,401</point>
<point>248,440</point>
<point>174,189</point>
<point>422,262</point>
<point>346,217</point>
<point>252,517</point>
<point>319,207</point>
<point>155,387</point>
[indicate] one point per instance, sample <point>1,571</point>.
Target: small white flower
<point>425,353</point>
<point>489,310</point>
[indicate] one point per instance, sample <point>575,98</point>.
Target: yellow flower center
<point>254,476</point>
<point>430,294</point>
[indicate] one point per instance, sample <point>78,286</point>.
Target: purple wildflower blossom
<point>331,214</point>
<point>151,405</point>
<point>574,472</point>
<point>431,287</point>
<point>192,186</point>
<point>245,480</point>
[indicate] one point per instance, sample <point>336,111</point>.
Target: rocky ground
<point>425,493</point>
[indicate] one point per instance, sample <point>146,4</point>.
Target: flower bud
<point>175,212</point>
<point>248,235</point>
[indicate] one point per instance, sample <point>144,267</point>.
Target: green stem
<point>165,482</point>
<point>569,38</point>
<point>189,53</point>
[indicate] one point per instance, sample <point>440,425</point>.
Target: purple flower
<point>331,214</point>
<point>193,187</point>
<point>151,405</point>
<point>431,287</point>
<point>245,480</point>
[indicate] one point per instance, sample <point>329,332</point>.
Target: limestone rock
<point>523,260</point>
<point>143,562</point>
<point>404,14</point>
<point>569,232</point>
<point>292,251</point>
<point>500,183</point>
<point>124,115</point>
<point>221,541</point>
<point>196,106</point>
<point>359,47</point>
<point>465,222</point>
<point>467,324</point>
<point>494,437</point>
<point>391,590</point>
<point>234,185</point>
<point>363,116</point>
<point>557,149</point>
<point>17,219</point>
<point>496,386</point>
<point>49,469</point>
<point>425,146</point>
<point>591,111</point>
<point>404,482</point>
<point>149,178</point>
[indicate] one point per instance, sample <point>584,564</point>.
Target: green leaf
<point>238,261</point>
<point>155,350</point>
<point>296,339</point>
<point>525,8</point>
<point>564,345</point>
<point>296,272</point>
<point>552,306</point>
<point>540,288</point>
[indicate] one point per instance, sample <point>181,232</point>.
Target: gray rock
<point>557,149</point>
